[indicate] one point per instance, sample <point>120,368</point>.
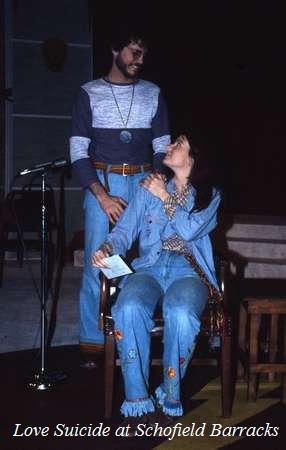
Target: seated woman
<point>172,220</point>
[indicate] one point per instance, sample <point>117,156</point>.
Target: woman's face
<point>177,154</point>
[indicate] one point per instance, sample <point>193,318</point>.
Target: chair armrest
<point>221,317</point>
<point>222,265</point>
<point>103,299</point>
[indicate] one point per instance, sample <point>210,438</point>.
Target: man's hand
<point>113,206</point>
<point>155,183</point>
<point>98,258</point>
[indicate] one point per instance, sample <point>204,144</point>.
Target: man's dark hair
<point>122,38</point>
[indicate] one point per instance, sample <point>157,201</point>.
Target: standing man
<point>119,132</point>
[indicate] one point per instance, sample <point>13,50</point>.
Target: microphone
<point>50,165</point>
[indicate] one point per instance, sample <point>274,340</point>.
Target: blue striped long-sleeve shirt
<point>97,123</point>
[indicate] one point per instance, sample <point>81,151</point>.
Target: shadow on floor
<point>272,421</point>
<point>76,401</point>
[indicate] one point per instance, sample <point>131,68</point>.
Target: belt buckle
<point>124,166</point>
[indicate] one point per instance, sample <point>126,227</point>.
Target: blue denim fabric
<point>145,218</point>
<point>96,230</point>
<point>173,282</point>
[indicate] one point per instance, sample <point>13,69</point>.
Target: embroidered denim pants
<point>96,230</point>
<point>173,282</point>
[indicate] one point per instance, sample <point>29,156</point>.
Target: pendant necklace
<point>125,135</point>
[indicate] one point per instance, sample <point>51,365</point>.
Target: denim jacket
<point>145,218</point>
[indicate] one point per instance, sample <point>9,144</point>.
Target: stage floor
<point>78,400</point>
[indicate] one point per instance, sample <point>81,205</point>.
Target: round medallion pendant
<point>125,136</point>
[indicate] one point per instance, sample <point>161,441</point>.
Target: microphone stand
<point>44,380</point>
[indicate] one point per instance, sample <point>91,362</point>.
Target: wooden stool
<point>251,311</point>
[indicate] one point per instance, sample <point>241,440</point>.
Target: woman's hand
<point>155,183</point>
<point>98,259</point>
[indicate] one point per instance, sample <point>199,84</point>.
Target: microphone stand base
<point>44,381</point>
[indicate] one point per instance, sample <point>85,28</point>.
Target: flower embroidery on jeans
<point>181,360</point>
<point>118,335</point>
<point>171,372</point>
<point>132,354</point>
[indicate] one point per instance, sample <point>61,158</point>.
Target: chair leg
<point>284,374</point>
<point>109,368</point>
<point>273,344</point>
<point>241,340</point>
<point>252,387</point>
<point>226,376</point>
<point>284,389</point>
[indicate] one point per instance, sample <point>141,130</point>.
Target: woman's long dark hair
<point>201,177</point>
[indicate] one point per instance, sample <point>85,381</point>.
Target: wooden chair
<point>216,321</point>
<point>252,360</point>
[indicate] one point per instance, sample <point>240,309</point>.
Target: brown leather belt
<point>122,169</point>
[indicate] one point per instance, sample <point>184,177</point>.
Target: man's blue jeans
<point>173,282</point>
<point>96,230</point>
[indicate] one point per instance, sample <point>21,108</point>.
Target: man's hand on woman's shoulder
<point>156,184</point>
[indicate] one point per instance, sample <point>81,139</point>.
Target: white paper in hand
<point>117,267</point>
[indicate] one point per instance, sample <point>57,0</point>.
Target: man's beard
<point>124,68</point>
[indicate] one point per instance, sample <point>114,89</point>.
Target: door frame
<point>6,151</point>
